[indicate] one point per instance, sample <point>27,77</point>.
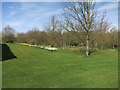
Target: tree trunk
<point>88,27</point>
<point>87,46</point>
<point>113,46</point>
<point>96,46</point>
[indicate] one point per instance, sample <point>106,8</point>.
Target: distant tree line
<point>80,26</point>
<point>99,39</point>
<point>0,37</point>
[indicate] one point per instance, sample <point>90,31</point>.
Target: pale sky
<point>23,16</point>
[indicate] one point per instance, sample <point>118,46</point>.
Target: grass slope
<point>38,68</point>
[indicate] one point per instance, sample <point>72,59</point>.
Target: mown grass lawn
<point>39,68</point>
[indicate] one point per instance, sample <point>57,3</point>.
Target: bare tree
<point>52,28</point>
<point>21,37</point>
<point>8,34</point>
<point>114,37</point>
<point>102,29</point>
<point>33,36</point>
<point>82,15</point>
<point>0,37</point>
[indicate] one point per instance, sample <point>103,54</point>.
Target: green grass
<point>39,68</point>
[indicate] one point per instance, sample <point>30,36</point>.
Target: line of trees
<point>81,25</point>
<point>34,36</point>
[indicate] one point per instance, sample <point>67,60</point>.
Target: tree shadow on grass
<point>6,53</point>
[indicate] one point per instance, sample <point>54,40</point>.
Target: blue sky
<point>23,16</point>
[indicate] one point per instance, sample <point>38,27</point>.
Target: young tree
<point>82,14</point>
<point>52,28</point>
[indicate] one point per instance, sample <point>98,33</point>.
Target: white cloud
<point>32,15</point>
<point>35,0</point>
<point>35,12</point>
<point>11,7</point>
<point>12,13</point>
<point>32,10</point>
<point>41,16</point>
<point>14,23</point>
<point>57,0</point>
<point>55,12</point>
<point>26,6</point>
<point>108,6</point>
